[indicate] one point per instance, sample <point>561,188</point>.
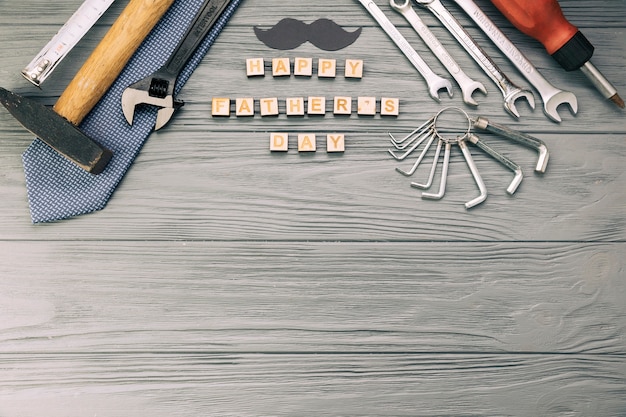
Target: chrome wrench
<point>552,97</point>
<point>510,91</point>
<point>435,82</point>
<point>467,85</point>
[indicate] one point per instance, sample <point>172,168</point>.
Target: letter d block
<point>279,142</point>
<point>306,142</point>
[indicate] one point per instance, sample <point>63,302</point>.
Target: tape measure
<point>66,38</point>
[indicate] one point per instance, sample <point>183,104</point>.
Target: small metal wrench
<point>158,89</point>
<point>435,82</point>
<point>510,91</point>
<point>468,86</point>
<point>552,97</point>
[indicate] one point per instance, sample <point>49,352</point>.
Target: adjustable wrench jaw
<point>155,91</point>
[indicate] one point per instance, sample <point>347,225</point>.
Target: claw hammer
<point>58,128</point>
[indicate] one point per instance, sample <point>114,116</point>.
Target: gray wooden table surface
<point>226,280</point>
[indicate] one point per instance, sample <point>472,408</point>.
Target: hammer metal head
<point>57,132</point>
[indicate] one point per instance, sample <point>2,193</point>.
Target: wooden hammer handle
<point>109,58</point>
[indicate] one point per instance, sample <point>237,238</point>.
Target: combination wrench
<point>509,90</point>
<point>434,82</point>
<point>467,85</point>
<point>552,97</point>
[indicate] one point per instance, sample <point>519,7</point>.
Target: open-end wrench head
<point>468,90</point>
<point>511,98</point>
<point>552,103</point>
<point>438,84</point>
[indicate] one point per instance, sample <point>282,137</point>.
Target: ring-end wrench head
<point>552,103</point>
<point>511,98</point>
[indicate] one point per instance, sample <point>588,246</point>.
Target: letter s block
<point>389,106</point>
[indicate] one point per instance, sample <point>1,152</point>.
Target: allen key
<point>430,131</point>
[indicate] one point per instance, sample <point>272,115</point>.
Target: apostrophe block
<point>367,106</point>
<point>281,67</point>
<point>269,106</point>
<point>342,105</point>
<point>327,68</point>
<point>255,67</point>
<point>294,106</point>
<point>220,106</point>
<point>389,106</point>
<point>317,105</point>
<point>306,142</point>
<point>354,68</point>
<point>335,142</point>
<point>244,106</point>
<point>279,142</point>
<point>303,67</point>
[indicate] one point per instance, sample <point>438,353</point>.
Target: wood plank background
<point>225,280</point>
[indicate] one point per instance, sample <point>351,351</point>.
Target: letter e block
<point>327,68</point>
<point>317,105</point>
<point>269,106</point>
<point>354,68</point>
<point>306,142</point>
<point>244,107</point>
<point>389,106</point>
<point>294,106</point>
<point>255,67</point>
<point>342,105</point>
<point>303,67</point>
<point>279,142</point>
<point>281,67</point>
<point>220,106</point>
<point>367,106</point>
<point>335,142</point>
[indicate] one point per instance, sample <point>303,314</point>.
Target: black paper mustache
<point>290,33</point>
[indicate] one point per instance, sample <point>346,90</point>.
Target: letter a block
<point>244,106</point>
<point>306,142</point>
<point>279,142</point>
<point>281,67</point>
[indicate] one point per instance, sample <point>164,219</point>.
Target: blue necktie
<point>58,189</point>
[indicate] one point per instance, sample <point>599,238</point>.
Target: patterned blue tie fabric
<point>58,189</point>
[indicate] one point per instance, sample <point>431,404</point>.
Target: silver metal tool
<point>532,142</point>
<point>552,97</point>
<point>468,86</point>
<point>434,128</point>
<point>158,89</point>
<point>42,66</point>
<point>509,90</point>
<point>434,82</point>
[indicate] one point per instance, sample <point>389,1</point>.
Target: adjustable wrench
<point>435,82</point>
<point>510,91</point>
<point>468,86</point>
<point>552,97</point>
<point>158,89</point>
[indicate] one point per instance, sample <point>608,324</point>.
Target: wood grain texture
<point>226,280</point>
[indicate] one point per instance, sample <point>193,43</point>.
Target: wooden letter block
<point>367,106</point>
<point>354,68</point>
<point>389,106</point>
<point>269,106</point>
<point>317,105</point>
<point>255,67</point>
<point>244,107</point>
<point>295,106</point>
<point>327,68</point>
<point>306,142</point>
<point>279,142</point>
<point>335,142</point>
<point>343,105</point>
<point>281,67</point>
<point>220,106</point>
<point>303,67</point>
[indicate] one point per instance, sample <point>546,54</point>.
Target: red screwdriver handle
<point>544,21</point>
